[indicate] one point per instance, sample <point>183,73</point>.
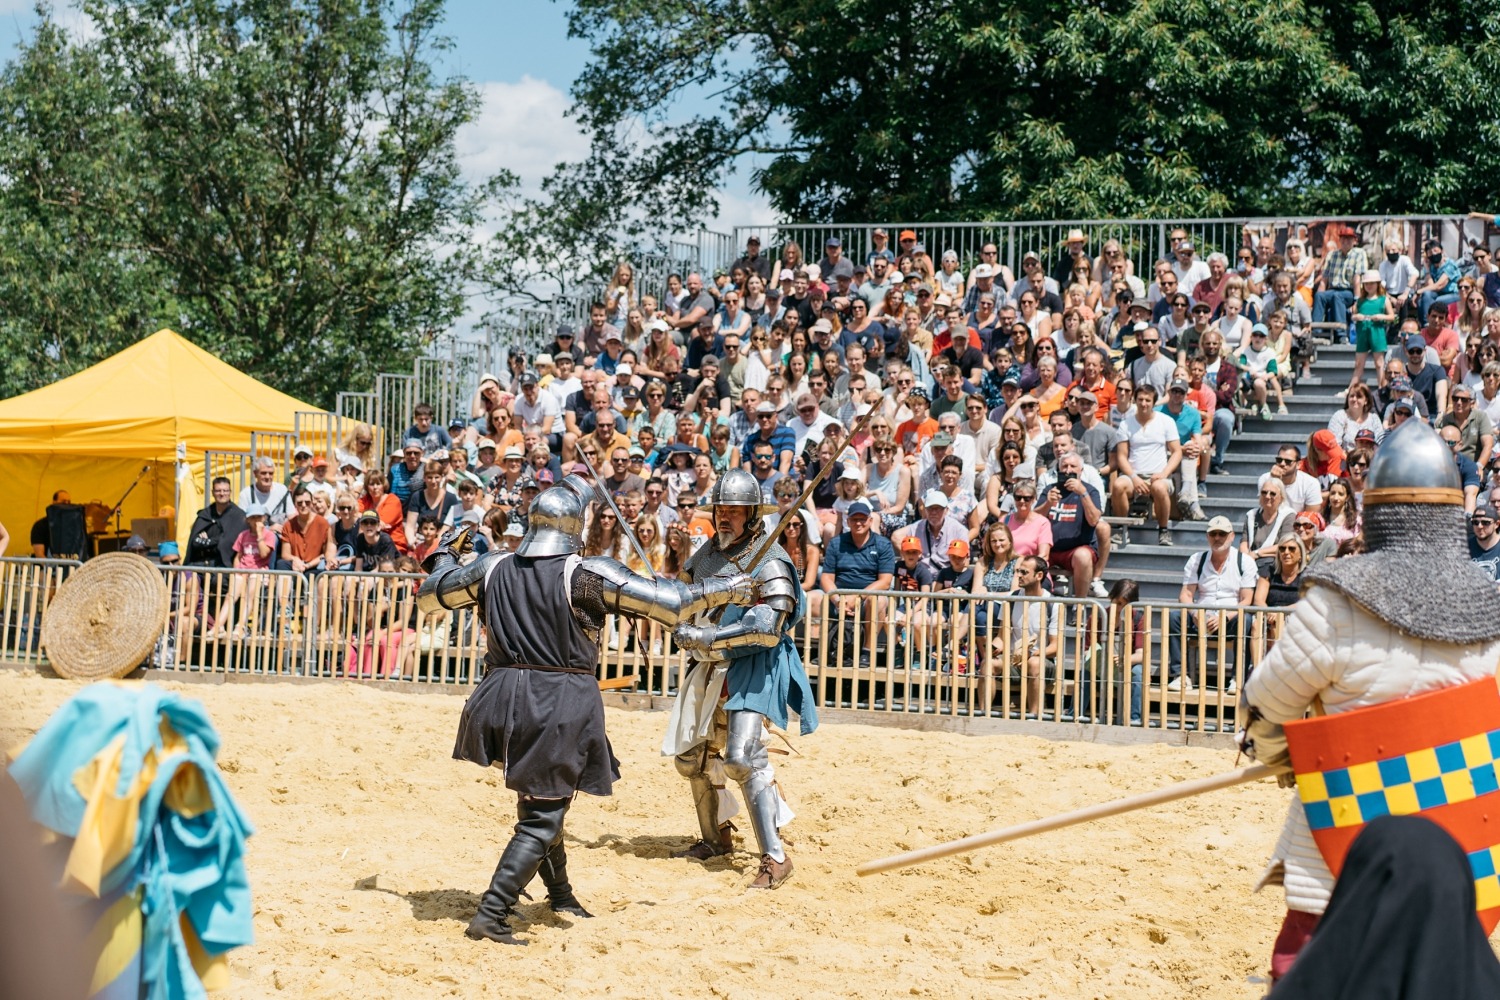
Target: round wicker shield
<point>105,618</point>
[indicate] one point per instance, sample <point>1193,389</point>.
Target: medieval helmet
<point>1413,465</point>
<point>737,488</point>
<point>554,525</point>
<point>1415,572</point>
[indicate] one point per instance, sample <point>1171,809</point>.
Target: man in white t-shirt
<point>1147,455</point>
<point>1302,491</point>
<point>534,407</point>
<point>1222,577</point>
<point>1188,268</point>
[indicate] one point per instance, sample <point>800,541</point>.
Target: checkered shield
<point>1434,754</point>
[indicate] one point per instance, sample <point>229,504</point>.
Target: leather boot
<point>554,872</point>
<point>702,850</point>
<point>539,825</point>
<point>772,872</point>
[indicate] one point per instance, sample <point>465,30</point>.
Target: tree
<point>964,109</point>
<point>278,181</point>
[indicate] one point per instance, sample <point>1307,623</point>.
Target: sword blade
<point>635,543</point>
<point>774,535</point>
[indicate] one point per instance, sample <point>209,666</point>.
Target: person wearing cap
<point>913,574</point>
<point>486,467</point>
<point>753,261</point>
<point>858,559</point>
<point>880,248</point>
<point>1187,266</point>
<point>808,422</point>
<point>935,529</point>
<point>1438,282</point>
<point>318,481</point>
<point>1428,380</point>
<point>1222,577</point>
<point>301,470</point>
<point>535,407</point>
<point>782,440</point>
<point>373,546</point>
<point>1484,544</point>
<point>1195,444</point>
<point>1334,291</point>
<point>254,549</point>
<point>834,263</point>
<point>1259,373</point>
<point>1476,432</point>
<point>565,381</point>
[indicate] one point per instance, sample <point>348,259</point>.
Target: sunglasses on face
<point>1284,461</point>
<point>1359,465</point>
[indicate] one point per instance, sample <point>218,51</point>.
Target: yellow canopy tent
<point>92,433</point>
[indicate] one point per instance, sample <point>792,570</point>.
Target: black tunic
<point>544,727</point>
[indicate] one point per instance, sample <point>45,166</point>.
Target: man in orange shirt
<point>306,542</point>
<point>1091,378</point>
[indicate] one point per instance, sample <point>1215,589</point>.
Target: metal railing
<point>320,430</point>
<point>1047,659</point>
<point>26,588</point>
<point>232,465</point>
<point>1144,241</point>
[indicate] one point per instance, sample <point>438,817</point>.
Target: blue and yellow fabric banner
<point>128,774</point>
<point>1434,754</point>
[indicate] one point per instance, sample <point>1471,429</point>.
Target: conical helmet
<point>1413,465</point>
<point>737,488</point>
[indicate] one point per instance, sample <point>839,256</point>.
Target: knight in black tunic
<point>537,713</point>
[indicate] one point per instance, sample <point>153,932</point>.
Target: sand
<point>346,784</point>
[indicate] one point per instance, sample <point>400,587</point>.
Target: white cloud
<point>79,26</point>
<point>521,128</point>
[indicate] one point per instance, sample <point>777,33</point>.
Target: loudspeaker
<point>66,531</point>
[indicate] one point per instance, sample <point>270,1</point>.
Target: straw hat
<point>106,617</point>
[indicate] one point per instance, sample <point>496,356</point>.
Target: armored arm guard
<point>669,602</point>
<point>763,625</point>
<point>449,586</point>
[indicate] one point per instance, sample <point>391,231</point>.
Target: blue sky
<point>519,54</point>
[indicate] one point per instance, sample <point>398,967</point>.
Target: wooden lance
<point>1171,793</point>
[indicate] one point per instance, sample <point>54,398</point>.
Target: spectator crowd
<point>1018,425</point>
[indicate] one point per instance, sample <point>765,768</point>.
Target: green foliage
<point>275,180</point>
<point>968,109</point>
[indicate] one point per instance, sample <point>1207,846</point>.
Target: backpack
<point>1202,557</point>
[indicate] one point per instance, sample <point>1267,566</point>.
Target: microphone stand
<point>121,502</point>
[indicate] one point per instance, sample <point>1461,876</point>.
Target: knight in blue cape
<point>746,672</point>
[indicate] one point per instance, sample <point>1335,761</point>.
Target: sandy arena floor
<point>345,783</point>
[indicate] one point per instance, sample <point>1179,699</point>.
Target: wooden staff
<point>1171,793</point>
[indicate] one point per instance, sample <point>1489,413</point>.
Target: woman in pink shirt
<point>253,549</point>
<point>1030,531</point>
